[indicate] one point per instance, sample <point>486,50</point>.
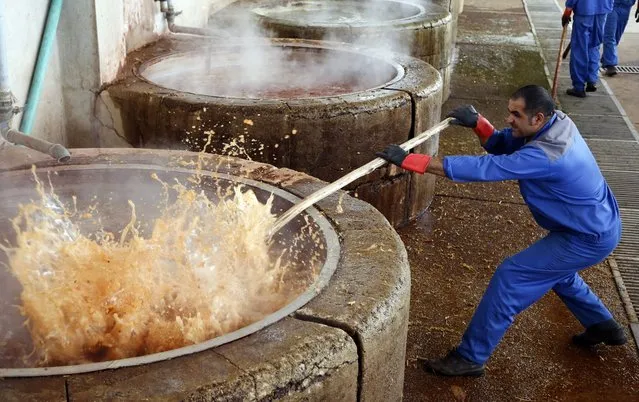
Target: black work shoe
<point>574,92</point>
<point>453,365</point>
<point>590,87</point>
<point>607,332</point>
<point>610,71</point>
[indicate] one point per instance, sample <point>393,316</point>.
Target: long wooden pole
<point>287,216</point>
<point>559,54</point>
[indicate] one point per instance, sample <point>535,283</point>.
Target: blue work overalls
<point>587,35</point>
<point>567,195</point>
<point>615,25</point>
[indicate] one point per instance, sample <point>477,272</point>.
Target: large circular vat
<point>284,72</point>
<point>315,107</point>
<point>107,189</point>
<point>341,339</point>
<point>422,29</point>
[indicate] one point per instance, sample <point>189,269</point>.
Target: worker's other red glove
<point>467,116</point>
<point>397,156</point>
<point>484,129</point>
<point>565,17</point>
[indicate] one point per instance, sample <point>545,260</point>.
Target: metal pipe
<point>170,12</point>
<point>7,110</point>
<point>57,151</point>
<point>46,44</point>
<point>167,7</point>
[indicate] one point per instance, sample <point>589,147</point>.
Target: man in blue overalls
<point>615,25</point>
<point>566,194</point>
<point>587,36</point>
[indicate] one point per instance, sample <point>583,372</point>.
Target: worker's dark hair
<point>537,99</point>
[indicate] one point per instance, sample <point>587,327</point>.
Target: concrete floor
<point>626,86</point>
<point>472,227</point>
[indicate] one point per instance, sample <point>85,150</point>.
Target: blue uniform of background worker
<point>567,195</point>
<point>587,36</point>
<point>615,25</point>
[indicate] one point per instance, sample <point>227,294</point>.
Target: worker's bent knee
<point>508,267</point>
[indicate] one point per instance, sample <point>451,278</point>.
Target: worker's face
<point>522,124</point>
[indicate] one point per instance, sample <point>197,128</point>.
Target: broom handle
<point>287,216</point>
<point>561,50</point>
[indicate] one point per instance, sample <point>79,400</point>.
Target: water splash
<point>205,269</point>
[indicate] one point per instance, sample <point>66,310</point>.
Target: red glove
<point>397,156</point>
<point>565,18</point>
<point>416,163</point>
<point>467,116</point>
<point>483,129</point>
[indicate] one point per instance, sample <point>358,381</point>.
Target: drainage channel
<point>616,149</point>
<point>628,69</point>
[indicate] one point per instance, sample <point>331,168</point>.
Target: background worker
<point>587,36</point>
<point>615,25</point>
<point>566,194</point>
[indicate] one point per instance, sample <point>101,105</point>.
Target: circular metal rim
<point>329,267</point>
<point>420,8</point>
<point>417,20</point>
<point>335,46</point>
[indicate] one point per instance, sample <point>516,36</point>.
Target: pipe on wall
<point>56,151</point>
<point>40,69</point>
<point>167,7</point>
<point>7,110</point>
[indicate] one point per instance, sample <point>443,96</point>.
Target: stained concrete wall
<point>92,40</point>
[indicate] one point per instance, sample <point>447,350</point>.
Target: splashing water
<point>204,270</point>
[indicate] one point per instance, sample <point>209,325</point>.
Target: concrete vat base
<point>324,136</point>
<point>348,343</point>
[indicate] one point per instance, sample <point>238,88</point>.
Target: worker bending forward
<point>567,195</point>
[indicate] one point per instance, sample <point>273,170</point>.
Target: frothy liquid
<point>204,270</point>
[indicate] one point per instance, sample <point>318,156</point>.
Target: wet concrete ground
<point>471,228</point>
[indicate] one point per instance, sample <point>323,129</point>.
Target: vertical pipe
<point>46,43</point>
<point>4,67</point>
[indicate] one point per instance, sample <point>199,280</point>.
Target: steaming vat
<point>324,121</point>
<point>348,341</point>
<point>421,29</point>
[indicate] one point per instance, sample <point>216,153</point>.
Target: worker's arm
<point>494,141</point>
<point>503,142</point>
<point>529,162</point>
<point>436,167</point>
<point>565,17</point>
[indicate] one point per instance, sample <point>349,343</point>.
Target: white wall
<point>92,41</point>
